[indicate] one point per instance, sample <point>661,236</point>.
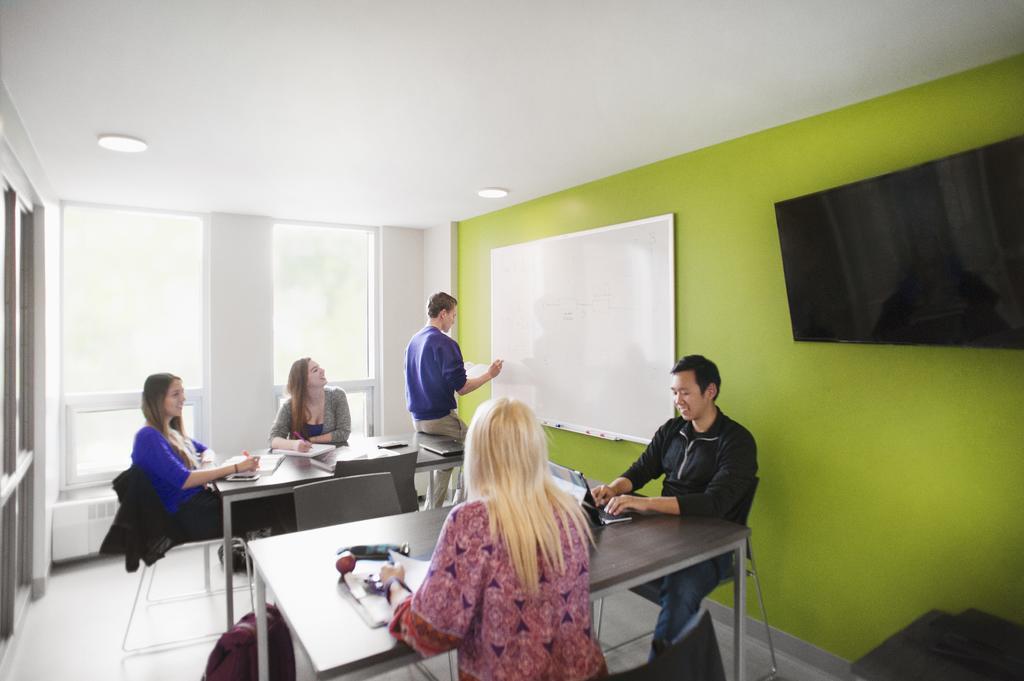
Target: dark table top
<point>907,655</point>
<point>299,570</point>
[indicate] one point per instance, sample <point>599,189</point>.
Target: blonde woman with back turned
<point>509,580</point>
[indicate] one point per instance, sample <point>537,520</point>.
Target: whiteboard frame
<point>671,255</point>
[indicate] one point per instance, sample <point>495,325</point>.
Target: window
<point>133,306</point>
<point>323,309</point>
<point>16,391</point>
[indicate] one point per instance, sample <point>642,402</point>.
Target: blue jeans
<point>682,592</point>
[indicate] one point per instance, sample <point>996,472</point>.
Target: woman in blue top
<point>170,460</point>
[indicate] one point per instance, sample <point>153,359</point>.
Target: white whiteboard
<point>586,325</point>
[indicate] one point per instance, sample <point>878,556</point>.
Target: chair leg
<point>206,567</point>
<point>135,604</point>
<point>151,571</point>
<point>596,615</point>
<point>764,615</point>
<point>248,574</point>
<point>152,578</point>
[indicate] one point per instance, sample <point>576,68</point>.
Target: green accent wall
<point>892,477</point>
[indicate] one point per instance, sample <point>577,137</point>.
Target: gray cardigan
<point>337,421</point>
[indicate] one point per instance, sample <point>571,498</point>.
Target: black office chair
<point>651,590</point>
<point>345,500</point>
<point>402,468</point>
<point>693,656</point>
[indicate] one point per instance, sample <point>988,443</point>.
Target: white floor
<point>75,630</point>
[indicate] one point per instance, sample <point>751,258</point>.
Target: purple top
<point>472,600</point>
<point>434,371</point>
<point>154,455</point>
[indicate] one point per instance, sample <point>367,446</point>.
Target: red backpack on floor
<point>234,656</point>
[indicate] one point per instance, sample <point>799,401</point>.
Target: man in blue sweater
<point>434,372</point>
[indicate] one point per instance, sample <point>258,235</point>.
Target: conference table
<point>297,470</point>
<point>299,570</point>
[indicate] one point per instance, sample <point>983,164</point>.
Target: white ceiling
<point>395,112</point>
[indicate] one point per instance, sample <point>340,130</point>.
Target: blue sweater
<point>153,454</point>
<point>434,371</point>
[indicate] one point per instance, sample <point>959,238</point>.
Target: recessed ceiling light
<point>493,193</point>
<point>131,145</point>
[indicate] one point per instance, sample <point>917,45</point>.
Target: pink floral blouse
<point>472,600</point>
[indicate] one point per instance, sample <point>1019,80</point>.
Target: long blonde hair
<point>507,468</point>
<point>153,393</point>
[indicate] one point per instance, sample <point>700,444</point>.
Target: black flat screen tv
<point>929,255</point>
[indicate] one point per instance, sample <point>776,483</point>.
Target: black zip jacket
<point>708,473</point>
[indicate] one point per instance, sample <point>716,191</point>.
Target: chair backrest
<point>345,500</point>
<point>747,501</point>
<point>402,468</point>
<point>693,656</point>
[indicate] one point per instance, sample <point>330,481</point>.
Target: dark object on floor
<point>234,656</point>
<point>694,656</point>
<point>237,556</point>
<point>971,646</point>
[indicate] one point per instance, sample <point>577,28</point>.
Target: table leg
<point>262,658</point>
<point>739,611</point>
<point>229,567</point>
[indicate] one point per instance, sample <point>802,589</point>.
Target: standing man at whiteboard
<point>434,372</point>
<point>709,462</point>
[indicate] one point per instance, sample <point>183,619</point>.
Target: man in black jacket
<point>709,462</point>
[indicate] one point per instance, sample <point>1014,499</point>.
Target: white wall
<point>402,315</point>
<point>440,246</point>
<point>240,373</point>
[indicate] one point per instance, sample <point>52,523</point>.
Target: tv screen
<point>932,255</point>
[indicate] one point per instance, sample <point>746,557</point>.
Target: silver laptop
<point>575,483</point>
<point>445,447</point>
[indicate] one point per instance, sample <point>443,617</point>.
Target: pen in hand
<point>303,445</point>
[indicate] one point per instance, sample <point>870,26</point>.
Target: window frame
<point>20,504</point>
<point>90,403</point>
<point>371,384</point>
<point>71,404</point>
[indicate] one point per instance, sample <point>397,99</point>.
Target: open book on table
<point>314,450</point>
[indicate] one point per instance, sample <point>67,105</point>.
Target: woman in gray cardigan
<point>314,410</point>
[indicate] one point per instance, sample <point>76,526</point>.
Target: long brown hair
<point>153,393</point>
<point>297,377</point>
<point>506,467</point>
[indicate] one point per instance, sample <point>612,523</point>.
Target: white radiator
<point>80,525</point>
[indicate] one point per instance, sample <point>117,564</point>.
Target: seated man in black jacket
<point>709,462</point>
